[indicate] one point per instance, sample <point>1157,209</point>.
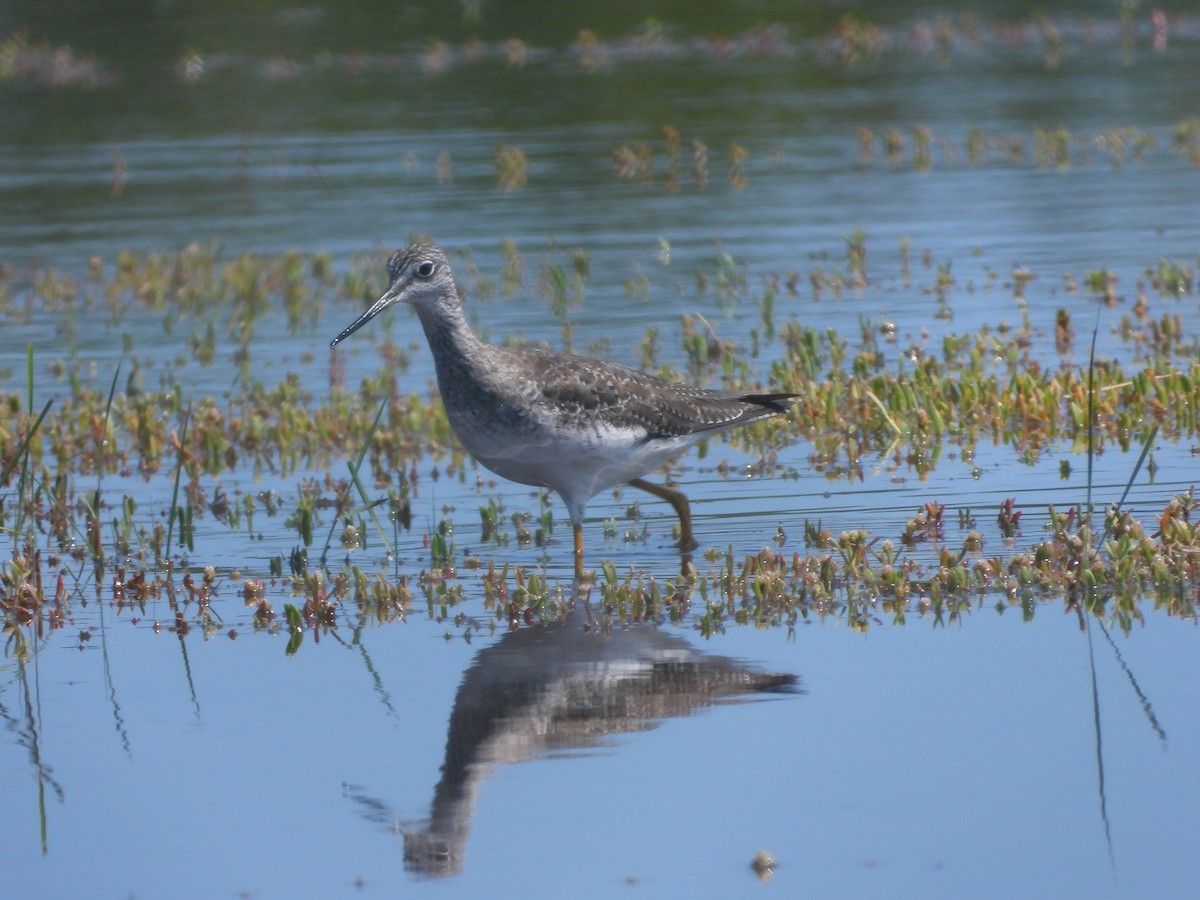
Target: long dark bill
<point>376,308</point>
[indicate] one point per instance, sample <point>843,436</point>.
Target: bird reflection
<point>563,687</point>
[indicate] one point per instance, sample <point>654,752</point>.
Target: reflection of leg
<point>676,499</point>
<point>577,527</point>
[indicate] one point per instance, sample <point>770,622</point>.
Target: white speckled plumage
<point>570,423</point>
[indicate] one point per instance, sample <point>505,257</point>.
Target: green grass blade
<point>368,504</point>
<point>22,450</point>
<point>1146,445</point>
<point>187,418</point>
<point>1091,428</point>
<point>112,390</point>
<point>29,375</point>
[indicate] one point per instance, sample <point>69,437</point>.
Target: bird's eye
<point>425,269</point>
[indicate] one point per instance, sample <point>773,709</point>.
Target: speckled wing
<point>576,388</point>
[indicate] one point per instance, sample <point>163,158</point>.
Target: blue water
<point>970,758</point>
<point>917,760</point>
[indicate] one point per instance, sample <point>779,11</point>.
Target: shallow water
<point>972,756</point>
<point>913,760</point>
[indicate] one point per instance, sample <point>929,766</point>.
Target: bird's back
<point>577,392</point>
<point>580,425</point>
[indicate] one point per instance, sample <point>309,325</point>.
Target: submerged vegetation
<point>80,523</point>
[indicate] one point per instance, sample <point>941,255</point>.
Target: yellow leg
<point>687,541</point>
<point>578,528</point>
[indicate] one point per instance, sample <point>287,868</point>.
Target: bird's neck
<point>450,337</point>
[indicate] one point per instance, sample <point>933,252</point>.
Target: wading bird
<point>570,423</point>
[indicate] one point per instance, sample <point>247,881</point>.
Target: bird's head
<point>419,275</point>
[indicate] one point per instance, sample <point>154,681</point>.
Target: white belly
<point>578,463</point>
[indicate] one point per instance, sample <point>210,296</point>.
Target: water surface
<point>973,756</point>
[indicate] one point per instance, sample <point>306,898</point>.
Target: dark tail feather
<point>776,403</point>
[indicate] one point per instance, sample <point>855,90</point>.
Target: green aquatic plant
<point>512,167</point>
<point>869,399</point>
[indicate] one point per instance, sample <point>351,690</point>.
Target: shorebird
<point>570,423</point>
